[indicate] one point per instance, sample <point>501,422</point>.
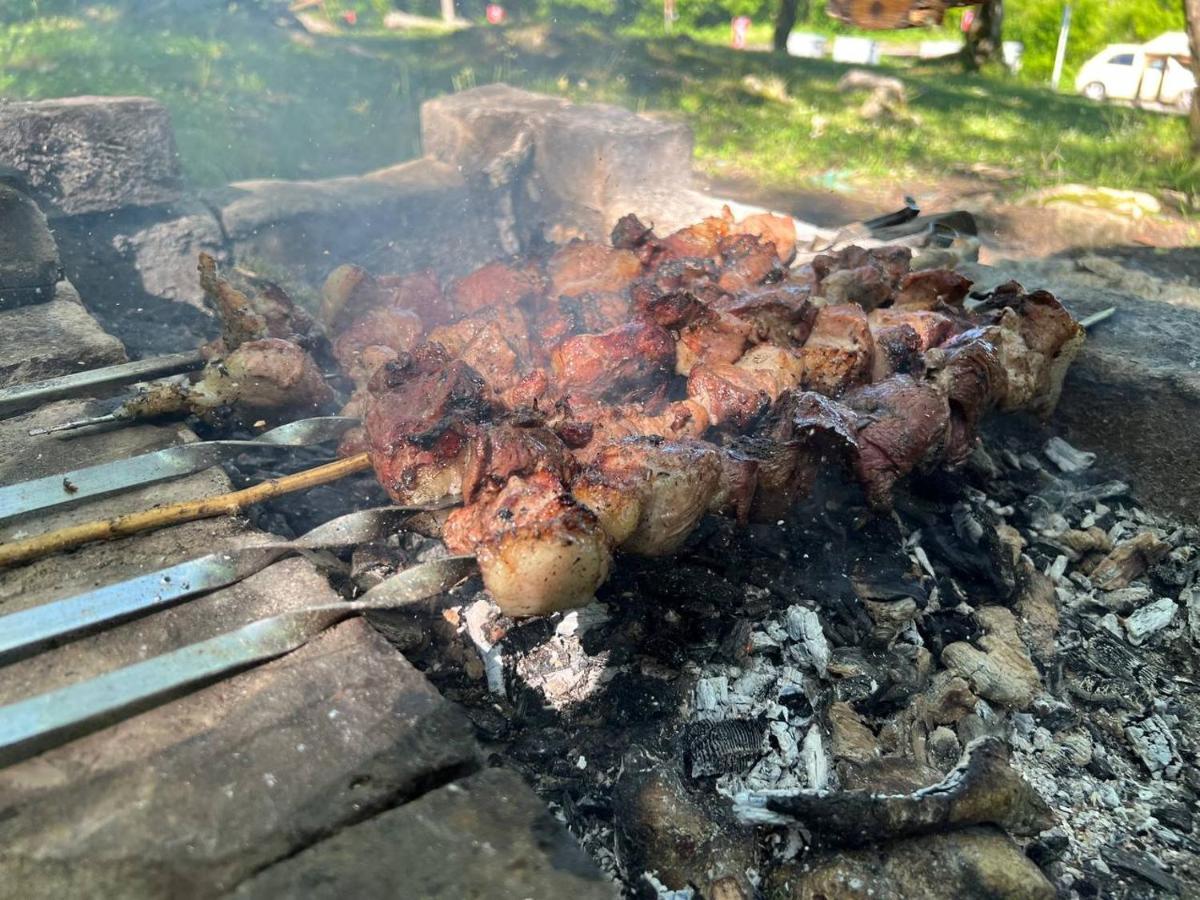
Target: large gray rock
<point>401,219</point>
<point>29,263</point>
<point>556,165</point>
<point>55,338</point>
<point>484,836</point>
<point>1133,393</point>
<point>92,154</point>
<point>190,799</point>
<point>131,257</point>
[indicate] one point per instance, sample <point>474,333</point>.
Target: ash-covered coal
<point>841,668</point>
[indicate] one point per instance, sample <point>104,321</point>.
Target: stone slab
<point>400,219</point>
<point>193,798</point>
<point>29,263</point>
<point>121,260</point>
<point>55,338</point>
<point>487,836</point>
<point>564,163</point>
<point>1133,394</point>
<point>23,457</point>
<point>92,154</point>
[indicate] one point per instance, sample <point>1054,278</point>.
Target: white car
<point>1158,71</point>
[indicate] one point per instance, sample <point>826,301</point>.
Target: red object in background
<point>495,13</point>
<point>967,19</point>
<point>350,16</point>
<point>739,26</point>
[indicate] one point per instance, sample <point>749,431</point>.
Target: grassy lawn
<point>250,99</point>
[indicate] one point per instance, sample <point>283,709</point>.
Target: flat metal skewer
<point>23,632</point>
<point>149,468</point>
<point>37,723</point>
<point>74,424</point>
<point>80,384</point>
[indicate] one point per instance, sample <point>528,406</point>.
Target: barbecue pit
<point>674,726</point>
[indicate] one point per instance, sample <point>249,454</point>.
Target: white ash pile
<point>996,684</point>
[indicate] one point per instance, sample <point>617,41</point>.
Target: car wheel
<point>1094,91</point>
<point>1183,102</point>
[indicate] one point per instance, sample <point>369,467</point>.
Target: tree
<point>983,42</point>
<point>1191,11</point>
<point>785,20</point>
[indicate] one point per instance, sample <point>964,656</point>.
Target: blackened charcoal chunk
<point>720,748</point>
<point>947,626</point>
<point>1048,848</point>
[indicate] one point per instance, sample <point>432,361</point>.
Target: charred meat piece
<point>424,409</point>
<point>270,378</point>
<point>699,240</point>
<point>631,234</point>
<point>713,338</point>
<point>902,425</point>
<point>932,289</point>
<point>619,364</point>
<point>650,494</point>
<point>738,395</point>
<point>561,317</point>
<point>538,548</point>
<point>838,354</point>
<point>867,278</point>
<point>350,292</point>
<point>968,371</point>
<point>737,486</point>
<point>932,328</point>
<point>264,310</point>
<point>779,231</point>
<point>746,262</point>
<point>493,342</point>
<point>376,337</point>
<point>588,427</point>
<point>780,314</point>
<point>897,352</point>
<point>891,262</point>
<point>496,284</point>
<point>506,449</point>
<point>585,267</point>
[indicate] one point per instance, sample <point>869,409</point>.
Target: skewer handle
<point>188,511</point>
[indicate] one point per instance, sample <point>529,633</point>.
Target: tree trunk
<point>984,36</point>
<point>785,21</point>
<point>1191,11</point>
<point>448,13</point>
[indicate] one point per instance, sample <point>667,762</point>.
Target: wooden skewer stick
<point>188,511</point>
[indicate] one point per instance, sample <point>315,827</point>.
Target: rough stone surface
<point>190,799</point>
<point>400,219</point>
<point>557,166</point>
<point>23,457</point>
<point>55,338</point>
<point>92,154</point>
<point>121,259</point>
<point>486,836</point>
<point>29,263</point>
<point>1133,394</point>
<point>974,862</point>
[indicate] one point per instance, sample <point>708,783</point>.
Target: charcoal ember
<point>1000,668</point>
<point>972,862</point>
<point>1129,560</point>
<point>890,618</point>
<point>1152,742</point>
<point>982,788</point>
<point>1109,693</point>
<point>1048,847</point>
<point>1143,867</point>
<point>719,748</point>
<point>850,739</point>
<point>1036,606</point>
<point>1175,815</point>
<point>943,748</point>
<point>1149,620</point>
<point>685,838</point>
<point>943,627</point>
<point>1179,568</point>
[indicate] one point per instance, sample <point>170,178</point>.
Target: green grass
<point>249,101</point>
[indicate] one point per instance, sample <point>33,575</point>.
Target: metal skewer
<point>149,468</point>
<point>37,723</point>
<point>74,424</point>
<point>25,631</point>
<point>79,384</point>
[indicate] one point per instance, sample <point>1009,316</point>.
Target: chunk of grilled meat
<point>967,369</point>
<point>780,314</point>
<point>585,267</point>
<point>508,449</point>
<point>263,310</point>
<point>376,337</point>
<point>712,338</point>
<point>494,342</point>
<point>779,231</point>
<point>350,292</point>
<point>539,549</point>
<point>746,262</point>
<point>932,289</point>
<point>740,394</point>
<point>587,427</point>
<point>902,425</point>
<point>700,240</point>
<point>424,409</point>
<point>623,363</point>
<point>868,278</point>
<point>497,284</point>
<point>650,494</point>
<point>839,352</point>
